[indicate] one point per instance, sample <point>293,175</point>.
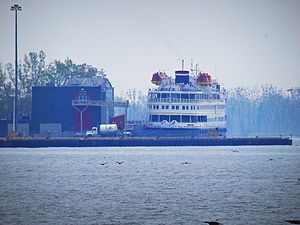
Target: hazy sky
<point>242,43</point>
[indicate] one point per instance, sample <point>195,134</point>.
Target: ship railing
<point>99,103</point>
<point>185,100</point>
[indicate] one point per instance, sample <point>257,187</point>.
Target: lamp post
<point>16,8</point>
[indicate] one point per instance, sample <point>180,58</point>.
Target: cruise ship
<point>190,103</point>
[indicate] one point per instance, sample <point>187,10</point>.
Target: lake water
<point>150,185</point>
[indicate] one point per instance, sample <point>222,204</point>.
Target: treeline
<point>263,111</point>
<point>33,71</point>
<point>137,110</point>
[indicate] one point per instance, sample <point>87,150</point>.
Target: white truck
<point>104,130</point>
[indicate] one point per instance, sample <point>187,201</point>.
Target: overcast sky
<point>241,43</point>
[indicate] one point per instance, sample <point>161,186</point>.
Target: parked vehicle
<point>104,130</point>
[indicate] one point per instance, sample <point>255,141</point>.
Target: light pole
<point>16,8</point>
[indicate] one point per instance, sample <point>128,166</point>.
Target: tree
<point>60,72</point>
<point>264,111</point>
<point>6,91</point>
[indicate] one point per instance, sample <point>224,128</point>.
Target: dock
<point>41,142</point>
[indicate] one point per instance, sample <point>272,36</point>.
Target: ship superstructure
<point>190,103</point>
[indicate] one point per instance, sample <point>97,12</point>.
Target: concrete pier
<point>37,142</point>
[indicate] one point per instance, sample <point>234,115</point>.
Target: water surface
<point>150,185</point>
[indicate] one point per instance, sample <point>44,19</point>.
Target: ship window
<point>177,107</point>
<point>213,119</point>
<point>173,106</point>
<point>198,107</point>
<point>216,96</point>
<point>202,119</point>
<point>192,96</point>
<point>175,117</point>
<point>203,96</point>
<point>183,107</point>
<point>153,96</point>
<point>163,117</point>
<point>184,96</point>
<point>164,95</point>
<point>194,119</point>
<point>167,107</point>
<point>82,97</point>
<point>154,118</point>
<point>187,107</point>
<point>185,119</point>
<point>175,97</point>
<point>157,107</point>
<point>220,106</point>
<point>162,107</point>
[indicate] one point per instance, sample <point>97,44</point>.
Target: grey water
<point>150,185</point>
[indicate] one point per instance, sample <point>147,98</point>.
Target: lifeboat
<point>204,79</point>
<point>158,77</point>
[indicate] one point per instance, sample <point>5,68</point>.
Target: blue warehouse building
<point>74,108</point>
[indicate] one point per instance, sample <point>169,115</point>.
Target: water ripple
<point>184,185</point>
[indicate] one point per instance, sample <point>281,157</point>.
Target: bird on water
<point>293,221</point>
<point>213,223</point>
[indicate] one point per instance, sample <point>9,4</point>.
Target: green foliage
<point>60,72</point>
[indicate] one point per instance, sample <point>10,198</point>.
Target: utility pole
<point>16,8</point>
